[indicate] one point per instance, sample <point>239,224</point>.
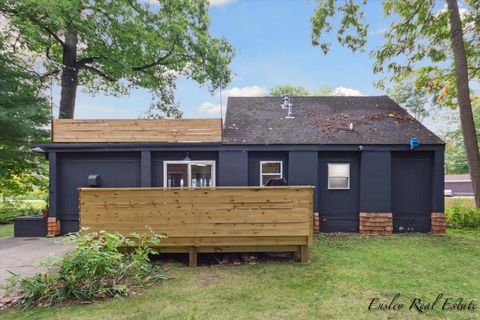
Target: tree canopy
<point>116,46</point>
<point>23,120</point>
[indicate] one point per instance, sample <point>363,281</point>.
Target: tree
<point>437,48</point>
<point>289,90</point>
<point>23,118</point>
<point>116,46</point>
<point>412,100</point>
<point>455,157</point>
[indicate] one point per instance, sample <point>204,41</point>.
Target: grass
<point>345,273</point>
<point>6,230</point>
<point>462,201</point>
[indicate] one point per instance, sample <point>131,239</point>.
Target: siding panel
<point>411,191</point>
<point>338,208</point>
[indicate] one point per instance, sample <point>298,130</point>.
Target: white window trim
<point>348,178</point>
<point>189,179</point>
<point>270,174</point>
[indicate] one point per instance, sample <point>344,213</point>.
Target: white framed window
<point>270,170</point>
<point>339,176</point>
<point>188,174</point>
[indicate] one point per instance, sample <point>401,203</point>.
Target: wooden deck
<point>222,219</point>
<point>139,130</point>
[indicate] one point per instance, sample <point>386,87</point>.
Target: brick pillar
<point>316,223</point>
<point>53,227</point>
<point>376,223</point>
<point>438,223</point>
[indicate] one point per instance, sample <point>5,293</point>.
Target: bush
<point>463,217</point>
<point>101,265</point>
<point>10,210</point>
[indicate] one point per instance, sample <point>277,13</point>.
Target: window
<point>338,176</point>
<point>189,174</point>
<point>270,170</point>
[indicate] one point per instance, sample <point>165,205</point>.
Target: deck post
<point>192,257</point>
<point>304,254</point>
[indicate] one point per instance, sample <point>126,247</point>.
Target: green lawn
<point>6,230</point>
<point>345,273</point>
<point>464,201</point>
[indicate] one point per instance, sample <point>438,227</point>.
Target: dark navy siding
<point>338,209</point>
<point>383,178</point>
<point>375,182</point>
<point>116,169</point>
<point>254,159</point>
<point>159,157</point>
<point>411,191</point>
<point>303,171</point>
<point>232,168</point>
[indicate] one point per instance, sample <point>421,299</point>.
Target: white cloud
<point>219,3</point>
<point>252,91</point>
<point>342,91</point>
<point>209,108</point>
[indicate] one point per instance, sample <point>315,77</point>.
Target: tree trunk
<point>69,77</point>
<point>463,97</point>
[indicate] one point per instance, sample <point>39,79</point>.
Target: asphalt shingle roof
<point>322,120</point>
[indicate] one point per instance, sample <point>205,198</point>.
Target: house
<point>371,163</point>
<point>457,185</point>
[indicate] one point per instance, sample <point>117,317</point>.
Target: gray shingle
<point>322,120</point>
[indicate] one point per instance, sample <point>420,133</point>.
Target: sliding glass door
<point>189,174</point>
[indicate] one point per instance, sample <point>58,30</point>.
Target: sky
<point>273,46</point>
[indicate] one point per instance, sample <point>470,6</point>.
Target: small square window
<point>270,170</point>
<point>339,176</point>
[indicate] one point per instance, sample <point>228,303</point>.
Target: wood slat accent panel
<point>204,217</point>
<point>138,130</point>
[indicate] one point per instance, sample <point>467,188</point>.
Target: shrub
<point>463,217</point>
<point>101,265</point>
<point>10,210</point>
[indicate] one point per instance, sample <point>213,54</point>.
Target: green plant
<point>10,210</point>
<point>463,217</point>
<point>101,265</point>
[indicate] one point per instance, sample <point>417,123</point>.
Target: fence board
<point>216,219</point>
<point>139,130</point>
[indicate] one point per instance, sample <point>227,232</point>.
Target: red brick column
<point>316,223</point>
<point>53,227</point>
<point>439,222</point>
<point>376,223</point>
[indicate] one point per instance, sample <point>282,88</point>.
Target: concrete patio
<point>21,255</point>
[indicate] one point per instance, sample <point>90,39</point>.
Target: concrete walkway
<point>20,255</point>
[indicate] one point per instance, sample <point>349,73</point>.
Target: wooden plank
<point>192,257</point>
<point>139,130</point>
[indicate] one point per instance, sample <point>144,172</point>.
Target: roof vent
<point>287,105</point>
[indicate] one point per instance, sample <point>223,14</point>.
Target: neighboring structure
<point>355,150</point>
<point>457,185</point>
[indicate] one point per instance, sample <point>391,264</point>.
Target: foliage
<point>455,157</point>
<point>289,90</point>
<point>413,100</point>
<point>10,210</point>
<point>101,265</point>
<point>345,272</point>
<point>116,46</point>
<point>463,217</point>
<point>417,48</point>
<point>23,117</point>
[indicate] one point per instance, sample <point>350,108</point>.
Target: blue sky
<point>272,39</point>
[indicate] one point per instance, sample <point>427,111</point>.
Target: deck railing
<point>222,219</point>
